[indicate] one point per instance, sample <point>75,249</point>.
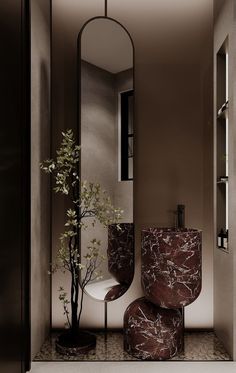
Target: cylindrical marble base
<point>151,332</point>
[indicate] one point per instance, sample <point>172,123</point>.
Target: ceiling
<point>106,44</point>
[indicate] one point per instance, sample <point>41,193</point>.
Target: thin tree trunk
<point>74,308</point>
<point>74,288</point>
<point>73,303</point>
<point>81,307</point>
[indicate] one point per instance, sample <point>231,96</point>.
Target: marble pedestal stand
<point>171,280</point>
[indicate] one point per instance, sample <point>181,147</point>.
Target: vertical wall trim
<point>26,185</point>
<point>51,120</point>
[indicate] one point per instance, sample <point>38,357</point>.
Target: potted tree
<point>89,204</point>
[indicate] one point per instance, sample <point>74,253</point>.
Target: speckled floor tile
<point>198,346</point>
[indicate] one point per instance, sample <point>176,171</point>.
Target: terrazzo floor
<point>198,346</point>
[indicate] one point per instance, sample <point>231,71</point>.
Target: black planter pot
<point>69,343</point>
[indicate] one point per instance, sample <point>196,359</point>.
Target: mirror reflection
<point>107,131</point>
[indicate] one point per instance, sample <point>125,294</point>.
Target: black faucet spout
<point>180,216</point>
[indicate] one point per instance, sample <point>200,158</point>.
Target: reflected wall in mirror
<point>106,131</point>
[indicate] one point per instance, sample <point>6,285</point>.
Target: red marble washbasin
<point>120,252</point>
<point>116,292</point>
<point>171,266</point>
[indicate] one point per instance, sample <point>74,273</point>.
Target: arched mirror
<point>106,133</point>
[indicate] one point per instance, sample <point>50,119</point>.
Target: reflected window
<point>127,135</point>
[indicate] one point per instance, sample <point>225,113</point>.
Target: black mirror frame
<point>79,119</point>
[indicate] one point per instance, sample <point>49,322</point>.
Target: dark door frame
<point>15,196</point>
<point>26,184</point>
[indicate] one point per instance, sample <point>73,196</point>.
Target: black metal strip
<point>51,156</point>
<point>105,8</point>
<point>105,320</point>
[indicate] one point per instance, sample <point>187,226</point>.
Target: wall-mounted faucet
<point>180,216</point>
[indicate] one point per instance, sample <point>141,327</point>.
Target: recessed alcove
<point>174,141</point>
<point>222,143</point>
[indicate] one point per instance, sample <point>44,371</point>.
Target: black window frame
<point>125,135</point>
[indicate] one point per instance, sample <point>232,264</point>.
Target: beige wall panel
<point>173,125</point>
<point>40,194</point>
